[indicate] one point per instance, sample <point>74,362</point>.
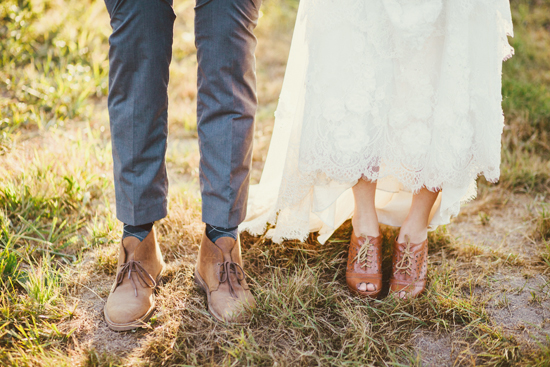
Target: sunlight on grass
<point>49,70</point>
<point>59,236</point>
<point>42,284</point>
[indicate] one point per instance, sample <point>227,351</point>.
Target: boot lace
<point>363,254</point>
<point>405,263</point>
<point>145,279</point>
<point>226,269</point>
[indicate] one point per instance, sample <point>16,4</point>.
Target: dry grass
<point>488,297</point>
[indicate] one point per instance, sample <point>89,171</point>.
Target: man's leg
<point>225,119</point>
<point>139,56</point>
<point>226,106</point>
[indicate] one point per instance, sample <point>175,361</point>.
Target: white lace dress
<point>406,92</point>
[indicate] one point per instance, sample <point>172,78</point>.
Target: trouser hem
<point>137,217</point>
<point>233,219</point>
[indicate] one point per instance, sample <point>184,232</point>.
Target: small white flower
<point>416,138</point>
<point>461,138</point>
<point>351,137</point>
<point>380,94</point>
<point>358,102</point>
<point>358,41</point>
<point>363,24</point>
<point>334,109</point>
<point>398,119</point>
<point>421,107</point>
<point>375,112</point>
<point>432,10</point>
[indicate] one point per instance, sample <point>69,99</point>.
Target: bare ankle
<point>417,234</point>
<point>365,225</point>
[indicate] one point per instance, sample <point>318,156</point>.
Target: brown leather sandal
<point>410,267</point>
<point>364,264</point>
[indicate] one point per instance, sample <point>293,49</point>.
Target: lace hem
<point>406,86</point>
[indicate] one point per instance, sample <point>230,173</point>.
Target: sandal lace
<point>405,263</point>
<point>144,278</point>
<point>226,269</point>
<point>363,255</point>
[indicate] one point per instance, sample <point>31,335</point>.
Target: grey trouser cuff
<point>133,217</point>
<point>139,58</point>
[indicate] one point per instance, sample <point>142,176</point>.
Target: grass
<point>489,269</point>
<point>49,71</point>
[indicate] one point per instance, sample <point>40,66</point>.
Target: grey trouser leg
<point>226,105</point>
<point>139,56</point>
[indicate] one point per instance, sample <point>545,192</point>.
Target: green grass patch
<point>526,79</point>
<point>59,237</point>
<point>49,71</point>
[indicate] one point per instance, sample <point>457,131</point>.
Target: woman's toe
<point>366,287</point>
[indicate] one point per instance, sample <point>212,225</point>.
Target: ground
<point>488,296</point>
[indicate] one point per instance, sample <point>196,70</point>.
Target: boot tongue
<point>226,245</point>
<point>130,244</point>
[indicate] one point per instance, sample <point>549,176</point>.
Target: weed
<point>543,356</point>
<point>59,236</point>
<point>503,302</point>
<point>542,229</point>
<point>545,254</point>
<point>484,218</point>
<point>49,75</point>
<point>9,265</point>
<point>93,358</point>
<point>107,260</point>
<point>41,283</point>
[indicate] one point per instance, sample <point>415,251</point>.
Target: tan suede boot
<point>131,301</point>
<point>219,272</point>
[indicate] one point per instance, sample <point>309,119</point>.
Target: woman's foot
<point>364,270</point>
<point>409,268</point>
<point>410,252</point>
<point>365,227</point>
<point>412,233</point>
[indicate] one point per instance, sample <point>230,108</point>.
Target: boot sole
<point>202,284</point>
<point>139,323</point>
